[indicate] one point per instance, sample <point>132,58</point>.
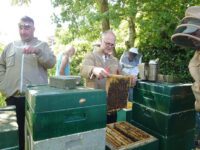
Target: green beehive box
<point>165,97</point>
<point>181,141</point>
<point>88,140</point>
<point>163,123</point>
<point>124,115</point>
<point>8,128</point>
<point>53,112</point>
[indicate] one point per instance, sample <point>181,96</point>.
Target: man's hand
<point>30,50</point>
<point>100,72</point>
<point>133,80</point>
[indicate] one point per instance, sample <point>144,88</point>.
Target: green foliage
<point>155,23</point>
<point>2,101</point>
<point>81,49</point>
<point>81,17</point>
<point>20,2</point>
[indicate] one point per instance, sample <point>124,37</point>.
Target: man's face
<point>131,56</point>
<point>108,43</point>
<point>26,31</point>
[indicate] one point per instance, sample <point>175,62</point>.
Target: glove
<point>100,72</point>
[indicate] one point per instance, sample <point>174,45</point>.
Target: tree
<point>146,24</point>
<point>80,17</point>
<point>157,21</point>
<point>104,10</point>
<point>20,2</point>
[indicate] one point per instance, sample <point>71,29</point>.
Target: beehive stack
<point>117,91</point>
<point>122,135</point>
<point>58,118</point>
<point>165,110</point>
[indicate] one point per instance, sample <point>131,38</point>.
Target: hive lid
<point>44,98</point>
<point>165,88</point>
<point>64,82</point>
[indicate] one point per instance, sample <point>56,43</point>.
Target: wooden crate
<point>117,91</point>
<point>122,136</point>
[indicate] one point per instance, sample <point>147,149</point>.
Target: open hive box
<point>122,136</point>
<point>117,91</point>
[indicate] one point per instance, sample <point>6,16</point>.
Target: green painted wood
<point>8,128</point>
<point>163,123</point>
<point>164,97</point>
<point>182,141</point>
<point>43,98</point>
<point>88,140</point>
<point>124,115</point>
<point>53,112</point>
<point>164,87</point>
<point>59,123</point>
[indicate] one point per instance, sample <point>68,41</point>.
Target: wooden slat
<point>122,134</point>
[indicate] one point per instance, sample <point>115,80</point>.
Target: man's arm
<point>87,65</point>
<point>3,62</point>
<point>2,66</point>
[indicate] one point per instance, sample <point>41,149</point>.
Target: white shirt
<point>130,67</point>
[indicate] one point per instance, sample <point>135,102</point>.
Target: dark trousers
<point>111,117</point>
<point>19,102</point>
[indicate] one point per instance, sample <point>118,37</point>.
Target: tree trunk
<point>132,32</point>
<point>103,6</point>
<point>104,9</point>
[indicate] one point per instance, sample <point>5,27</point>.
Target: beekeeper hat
<point>188,33</point>
<point>193,11</point>
<point>185,35</point>
<point>133,50</point>
<point>187,28</point>
<point>191,20</point>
